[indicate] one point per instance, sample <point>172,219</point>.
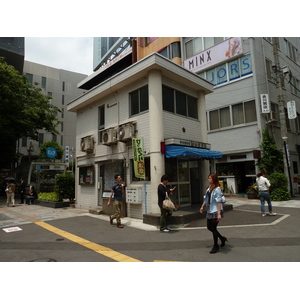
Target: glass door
<point>179,173</point>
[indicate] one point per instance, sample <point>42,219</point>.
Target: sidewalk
<point>245,211</point>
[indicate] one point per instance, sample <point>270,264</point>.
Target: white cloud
<point>69,53</point>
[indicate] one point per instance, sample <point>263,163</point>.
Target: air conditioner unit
<point>87,144</point>
<point>109,136</point>
<point>125,132</point>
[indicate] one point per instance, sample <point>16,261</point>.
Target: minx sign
<point>213,56</point>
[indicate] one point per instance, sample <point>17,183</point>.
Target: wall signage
<point>214,55</point>
<point>265,104</point>
<point>138,158</point>
<point>291,108</point>
<point>186,143</point>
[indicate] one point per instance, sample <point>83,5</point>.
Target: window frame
<point>214,117</point>
<point>139,100</point>
<point>188,99</point>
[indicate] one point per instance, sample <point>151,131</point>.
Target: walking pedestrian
<point>164,213</point>
<point>263,185</point>
<point>10,193</point>
<point>22,190</point>
<point>214,211</point>
<point>117,191</point>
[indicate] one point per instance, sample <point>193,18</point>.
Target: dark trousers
<point>164,216</point>
<point>30,199</point>
<point>22,197</point>
<point>212,226</point>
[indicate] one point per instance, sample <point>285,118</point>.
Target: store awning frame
<point>180,151</point>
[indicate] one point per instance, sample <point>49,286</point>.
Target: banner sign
<point>291,108</point>
<point>138,158</point>
<point>215,55</point>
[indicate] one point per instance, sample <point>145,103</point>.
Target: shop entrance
<point>185,175</point>
<point>236,176</point>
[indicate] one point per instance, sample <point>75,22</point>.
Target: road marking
<point>88,244</point>
<point>275,222</point>
<point>110,253</point>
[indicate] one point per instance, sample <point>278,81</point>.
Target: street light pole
<point>282,118</point>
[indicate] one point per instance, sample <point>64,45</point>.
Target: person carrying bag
<point>162,194</point>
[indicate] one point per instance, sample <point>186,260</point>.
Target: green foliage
<point>279,187</point>
<point>51,144</point>
<point>279,194</point>
<point>52,197</point>
<point>278,181</point>
<point>65,186</point>
<point>24,111</point>
<point>272,157</point>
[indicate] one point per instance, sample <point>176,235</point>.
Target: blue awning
<point>180,151</point>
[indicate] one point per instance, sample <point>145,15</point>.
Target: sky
<point>69,53</point>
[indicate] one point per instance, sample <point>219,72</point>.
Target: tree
<point>24,111</point>
<point>272,157</point>
<point>51,144</point>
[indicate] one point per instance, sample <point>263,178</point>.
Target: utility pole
<point>283,130</point>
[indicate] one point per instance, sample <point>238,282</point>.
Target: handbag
<point>168,204</point>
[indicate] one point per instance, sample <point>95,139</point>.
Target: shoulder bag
<point>168,204</point>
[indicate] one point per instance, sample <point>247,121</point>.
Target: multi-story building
<point>245,100</point>
<point>61,85</point>
<point>12,49</point>
<point>162,105</point>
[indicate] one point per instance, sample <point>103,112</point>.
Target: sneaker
<point>272,214</point>
<point>263,215</point>
<point>165,230</point>
<point>120,226</point>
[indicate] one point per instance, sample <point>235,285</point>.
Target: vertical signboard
<point>265,104</point>
<point>291,108</point>
<point>138,158</point>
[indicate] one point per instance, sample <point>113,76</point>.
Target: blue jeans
<point>265,196</point>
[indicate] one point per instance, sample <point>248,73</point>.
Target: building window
<point>199,44</point>
<point>63,86</point>
<point>270,73</point>
<point>237,114</point>
<point>290,51</point>
<point>62,99</point>
<point>171,51</point>
<point>101,121</point>
<point>224,117</point>
<point>54,137</point>
<point>62,113</point>
<point>30,78</point>
<point>24,141</point>
<point>44,83</point>
<point>179,103</point>
<point>269,39</point>
<point>139,101</point>
<point>295,86</point>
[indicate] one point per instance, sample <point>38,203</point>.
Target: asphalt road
<point>73,235</point>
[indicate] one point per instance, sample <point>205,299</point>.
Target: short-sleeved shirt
<point>117,189</point>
